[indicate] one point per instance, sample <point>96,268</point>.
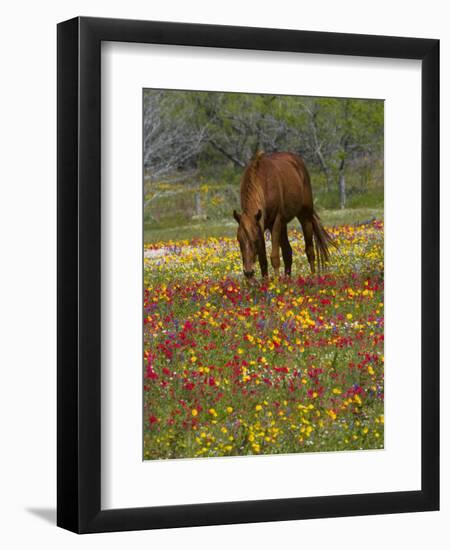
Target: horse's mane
<point>252,193</point>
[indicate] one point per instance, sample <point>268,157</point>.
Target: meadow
<point>281,366</point>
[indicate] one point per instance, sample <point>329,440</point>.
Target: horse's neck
<point>252,198</point>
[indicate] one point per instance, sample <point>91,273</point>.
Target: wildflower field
<point>282,366</point>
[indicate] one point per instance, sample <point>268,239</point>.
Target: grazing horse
<point>275,188</point>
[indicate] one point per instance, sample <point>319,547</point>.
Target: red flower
<point>151,373</point>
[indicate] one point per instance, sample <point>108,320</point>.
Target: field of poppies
<point>282,366</point>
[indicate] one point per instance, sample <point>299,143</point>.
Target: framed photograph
<point>248,275</point>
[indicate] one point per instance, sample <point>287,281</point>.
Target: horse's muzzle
<point>249,274</point>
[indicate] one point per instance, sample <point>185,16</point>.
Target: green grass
<point>203,230</point>
<point>227,227</point>
<point>350,216</point>
<point>372,197</point>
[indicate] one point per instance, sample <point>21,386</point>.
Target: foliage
<point>214,134</point>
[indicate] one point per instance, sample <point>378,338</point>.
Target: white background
<point>127,481</point>
<point>28,296</point>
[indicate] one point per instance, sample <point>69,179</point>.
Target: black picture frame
<point>79,280</point>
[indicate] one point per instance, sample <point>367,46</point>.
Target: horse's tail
<point>323,241</point>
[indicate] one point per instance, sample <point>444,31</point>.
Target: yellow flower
<point>229,409</point>
<point>349,316</point>
<point>332,414</point>
<point>194,412</point>
<point>258,407</point>
<point>337,391</point>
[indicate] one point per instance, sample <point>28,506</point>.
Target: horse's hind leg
<point>286,251</point>
<point>307,226</point>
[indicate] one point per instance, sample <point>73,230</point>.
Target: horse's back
<point>286,184</point>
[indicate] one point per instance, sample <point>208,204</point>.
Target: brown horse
<point>275,188</point>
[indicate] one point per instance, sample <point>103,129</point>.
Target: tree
<point>240,124</point>
<point>170,135</point>
<point>340,131</point>
<point>185,130</point>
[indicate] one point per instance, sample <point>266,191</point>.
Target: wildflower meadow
<point>285,365</point>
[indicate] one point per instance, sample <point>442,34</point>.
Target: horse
<point>276,188</point>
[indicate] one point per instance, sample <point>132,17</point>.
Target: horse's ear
<point>258,215</point>
<point>236,216</point>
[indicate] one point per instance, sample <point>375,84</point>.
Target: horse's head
<point>249,236</point>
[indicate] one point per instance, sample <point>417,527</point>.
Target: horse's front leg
<point>276,239</point>
<point>262,257</point>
